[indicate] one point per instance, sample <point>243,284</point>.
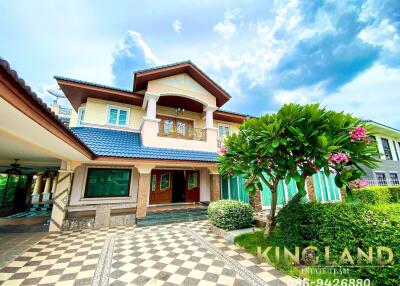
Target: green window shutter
<point>243,195</point>
<point>224,188</point>
<point>334,190</point>
<point>265,195</point>
<point>281,194</point>
<point>292,189</point>
<point>317,188</point>
<point>107,182</point>
<point>234,188</point>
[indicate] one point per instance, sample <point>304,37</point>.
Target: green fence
<point>325,190</point>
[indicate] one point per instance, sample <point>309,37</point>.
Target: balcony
<point>181,131</point>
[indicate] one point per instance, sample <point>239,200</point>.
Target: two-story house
<point>156,144</point>
<point>388,141</point>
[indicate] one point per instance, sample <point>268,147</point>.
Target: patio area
<point>174,254</point>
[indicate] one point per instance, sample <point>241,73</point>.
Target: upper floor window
<point>223,130</point>
<point>117,116</point>
<point>81,116</point>
<point>395,150</point>
<point>386,149</point>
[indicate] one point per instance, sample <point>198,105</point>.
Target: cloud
<point>132,54</point>
<point>177,26</point>
<point>227,28</point>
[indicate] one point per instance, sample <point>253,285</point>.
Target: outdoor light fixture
<point>180,111</point>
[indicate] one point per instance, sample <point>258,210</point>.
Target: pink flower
<point>223,149</point>
<point>358,134</point>
<point>358,184</point>
<point>258,161</point>
<point>338,158</point>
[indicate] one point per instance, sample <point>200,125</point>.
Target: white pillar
<point>209,116</point>
<point>151,105</point>
<point>37,189</point>
<point>54,184</point>
<point>47,190</point>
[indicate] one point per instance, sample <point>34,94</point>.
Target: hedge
<point>230,215</point>
<point>378,195</point>
<point>345,225</point>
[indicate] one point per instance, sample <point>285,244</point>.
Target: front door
<point>161,187</point>
<point>192,186</point>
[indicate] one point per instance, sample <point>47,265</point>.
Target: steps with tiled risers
<point>172,216</point>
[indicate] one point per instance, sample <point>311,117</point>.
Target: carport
<point>46,152</point>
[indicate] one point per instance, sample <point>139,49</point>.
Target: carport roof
<point>27,101</point>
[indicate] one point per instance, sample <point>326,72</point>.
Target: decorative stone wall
<point>143,195</point>
<point>215,187</point>
<point>77,223</point>
<point>310,189</point>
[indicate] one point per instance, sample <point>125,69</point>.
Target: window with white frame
<point>224,130</point>
<point>386,149</point>
<point>381,178</point>
<point>81,116</point>
<point>394,178</point>
<point>118,116</point>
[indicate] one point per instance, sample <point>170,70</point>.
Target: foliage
<point>372,195</point>
<point>345,225</point>
<point>230,215</point>
<point>377,195</point>
<point>294,143</point>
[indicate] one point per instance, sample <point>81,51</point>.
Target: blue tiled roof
<point>116,143</point>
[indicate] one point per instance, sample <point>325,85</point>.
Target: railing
<point>182,132</point>
<point>381,182</point>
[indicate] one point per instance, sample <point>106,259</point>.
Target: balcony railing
<point>182,132</point>
<point>382,181</point>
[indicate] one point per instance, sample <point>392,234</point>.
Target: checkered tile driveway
<point>175,254</point>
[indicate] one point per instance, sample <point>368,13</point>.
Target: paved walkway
<point>175,254</point>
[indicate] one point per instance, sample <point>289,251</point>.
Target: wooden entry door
<point>161,187</point>
<point>192,186</point>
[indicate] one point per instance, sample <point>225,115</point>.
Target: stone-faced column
<point>37,190</point>
<point>255,201</point>
<point>310,189</point>
<point>61,196</point>
<point>143,190</point>
<point>47,190</point>
<point>215,187</point>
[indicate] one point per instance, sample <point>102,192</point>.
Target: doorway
<point>174,186</point>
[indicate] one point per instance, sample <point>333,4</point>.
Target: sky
<point>344,55</point>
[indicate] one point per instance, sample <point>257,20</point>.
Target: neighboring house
<point>64,113</point>
<point>126,151</point>
<point>388,141</point>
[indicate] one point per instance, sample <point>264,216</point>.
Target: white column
<point>209,116</point>
<point>47,190</point>
<point>151,105</point>
<point>37,189</point>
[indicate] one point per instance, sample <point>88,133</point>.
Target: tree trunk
<point>271,223</point>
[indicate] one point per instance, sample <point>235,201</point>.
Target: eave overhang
<point>78,91</point>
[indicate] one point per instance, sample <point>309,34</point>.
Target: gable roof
<point>141,78</point>
<point>128,144</point>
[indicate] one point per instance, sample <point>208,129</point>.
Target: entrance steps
<point>172,216</point>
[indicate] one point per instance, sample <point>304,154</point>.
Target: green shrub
<point>394,194</point>
<point>343,225</point>
<point>230,215</point>
<point>373,195</point>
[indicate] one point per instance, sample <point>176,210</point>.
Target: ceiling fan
<point>16,168</point>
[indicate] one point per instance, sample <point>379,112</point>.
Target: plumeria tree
<point>295,143</point>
